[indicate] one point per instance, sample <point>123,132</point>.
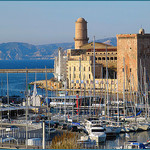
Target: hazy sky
<point>54,22</point>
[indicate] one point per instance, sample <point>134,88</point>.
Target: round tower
<point>80,33</point>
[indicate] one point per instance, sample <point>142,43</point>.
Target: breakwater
<point>49,70</point>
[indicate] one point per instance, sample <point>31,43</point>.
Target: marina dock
<point>49,70</point>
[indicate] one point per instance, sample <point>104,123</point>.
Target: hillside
<point>19,51</point>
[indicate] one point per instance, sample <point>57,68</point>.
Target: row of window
<point>103,58</point>
<point>101,53</point>
<point>79,76</point>
<point>79,68</point>
<point>109,85</point>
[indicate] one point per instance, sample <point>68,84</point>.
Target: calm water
<point>119,141</point>
<point>17,81</point>
<point>22,64</point>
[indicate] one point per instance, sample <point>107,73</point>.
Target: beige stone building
<point>84,58</point>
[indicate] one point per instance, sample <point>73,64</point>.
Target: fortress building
<point>127,61</point>
<point>135,50</point>
<point>80,61</point>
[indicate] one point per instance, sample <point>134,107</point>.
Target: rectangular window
<point>130,69</point>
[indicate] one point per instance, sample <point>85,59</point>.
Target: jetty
<point>49,70</point>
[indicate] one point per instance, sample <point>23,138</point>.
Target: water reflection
<point>123,137</point>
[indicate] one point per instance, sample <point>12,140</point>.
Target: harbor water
<point>17,81</point>
<point>125,137</point>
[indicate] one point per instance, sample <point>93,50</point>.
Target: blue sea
<point>17,81</point>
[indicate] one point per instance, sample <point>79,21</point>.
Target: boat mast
<point>27,109</point>
<point>135,98</point>
<point>124,85</point>
<point>84,91</point>
<point>141,74</point>
<point>73,81</point>
<point>34,98</point>
<point>107,84</point>
<point>80,86</point>
<point>117,102</point>
<point>94,100</point>
<point>145,92</point>
<point>46,96</point>
<point>8,97</point>
<point>101,88</point>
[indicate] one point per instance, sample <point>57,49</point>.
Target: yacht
<point>142,127</point>
<point>95,130</point>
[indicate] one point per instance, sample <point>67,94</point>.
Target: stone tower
<point>135,50</point>
<point>80,33</point>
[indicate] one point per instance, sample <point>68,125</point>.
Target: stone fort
<point>125,67</point>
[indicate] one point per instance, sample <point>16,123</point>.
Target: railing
<point>22,123</point>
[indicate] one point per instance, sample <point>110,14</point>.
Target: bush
<point>65,141</point>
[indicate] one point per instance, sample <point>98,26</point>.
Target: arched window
<point>74,68</point>
<point>103,58</point>
<point>99,58</point>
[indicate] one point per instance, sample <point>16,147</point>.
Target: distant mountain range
<point>19,51</point>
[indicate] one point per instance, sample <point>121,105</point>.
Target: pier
<point>49,70</point>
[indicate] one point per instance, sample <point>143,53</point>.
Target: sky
<point>47,22</point>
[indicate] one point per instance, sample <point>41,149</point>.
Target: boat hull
<point>98,139</point>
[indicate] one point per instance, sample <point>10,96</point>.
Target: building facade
<point>125,62</point>
<point>133,54</point>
